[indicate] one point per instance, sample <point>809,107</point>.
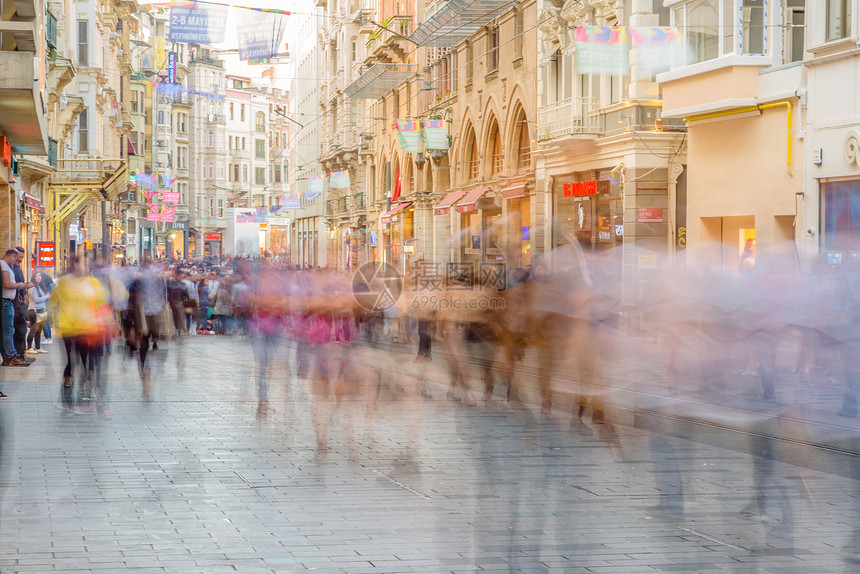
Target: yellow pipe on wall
<point>748,109</point>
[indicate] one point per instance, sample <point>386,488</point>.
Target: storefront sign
<point>5,151</point>
<point>212,237</point>
<point>650,215</point>
<point>46,253</point>
<point>32,202</point>
<point>591,187</point>
<point>178,226</point>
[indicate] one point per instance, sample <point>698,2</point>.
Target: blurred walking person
<point>85,319</point>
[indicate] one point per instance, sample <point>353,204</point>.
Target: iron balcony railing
<point>570,116</point>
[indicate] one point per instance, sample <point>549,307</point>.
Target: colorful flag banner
<point>245,217</point>
<point>435,134</point>
<point>166,180</point>
<point>260,35</point>
<point>170,196</point>
<point>291,201</point>
<point>602,50</point>
<point>316,185</point>
<point>409,136</point>
<point>339,180</point>
<point>153,212</point>
<point>196,24</point>
<point>658,47</point>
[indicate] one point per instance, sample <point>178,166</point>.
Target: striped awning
<point>467,204</point>
<point>386,217</point>
<point>444,206</point>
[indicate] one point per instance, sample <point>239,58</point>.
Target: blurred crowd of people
<point>572,321</point>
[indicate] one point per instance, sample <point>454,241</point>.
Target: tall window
<point>241,112</point>
<point>261,122</point>
<point>260,149</point>
<point>277,174</point>
<point>235,172</point>
<point>231,142</point>
<point>524,151</point>
<point>493,49</point>
<point>245,173</point>
<point>496,151</point>
<point>260,176</point>
<point>795,50</point>
<point>838,19</point>
<point>469,67</point>
<point>83,43</point>
<point>220,208</point>
<point>231,110</point>
<point>712,28</point>
<point>473,163</point>
<point>83,132</point>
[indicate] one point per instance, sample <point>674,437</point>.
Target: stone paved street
<point>194,481</point>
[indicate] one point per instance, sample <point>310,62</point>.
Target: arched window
<point>261,122</point>
<point>473,162</point>
<point>494,150</point>
<point>522,143</point>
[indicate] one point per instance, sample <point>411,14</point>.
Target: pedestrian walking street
<point>198,479</point>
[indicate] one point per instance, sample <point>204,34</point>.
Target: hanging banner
<point>291,201</point>
<point>602,50</point>
<point>316,185</point>
<point>160,53</point>
<point>197,24</point>
<point>260,35</point>
<point>658,47</point>
<point>409,136</point>
<point>171,67</point>
<point>170,196</point>
<point>339,180</point>
<point>166,180</point>
<point>435,134</point>
<point>153,212</point>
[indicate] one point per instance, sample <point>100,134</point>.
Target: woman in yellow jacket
<point>84,319</point>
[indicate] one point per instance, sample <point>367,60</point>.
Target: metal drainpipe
<point>756,108</point>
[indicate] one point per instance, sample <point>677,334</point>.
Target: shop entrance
<point>735,236</point>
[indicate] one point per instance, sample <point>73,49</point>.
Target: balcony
<point>216,119</point>
<point>208,61</point>
<point>22,112</point>
<point>572,116</point>
<point>239,153</point>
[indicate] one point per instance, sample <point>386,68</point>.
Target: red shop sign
<point>46,253</point>
<point>5,151</point>
<point>213,237</point>
<point>650,214</point>
<point>591,187</point>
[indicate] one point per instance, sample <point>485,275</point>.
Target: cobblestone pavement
<point>194,481</point>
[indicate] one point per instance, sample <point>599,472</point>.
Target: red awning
<point>386,217</point>
<point>444,206</point>
<point>130,146</point>
<point>514,192</point>
<point>468,202</point>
